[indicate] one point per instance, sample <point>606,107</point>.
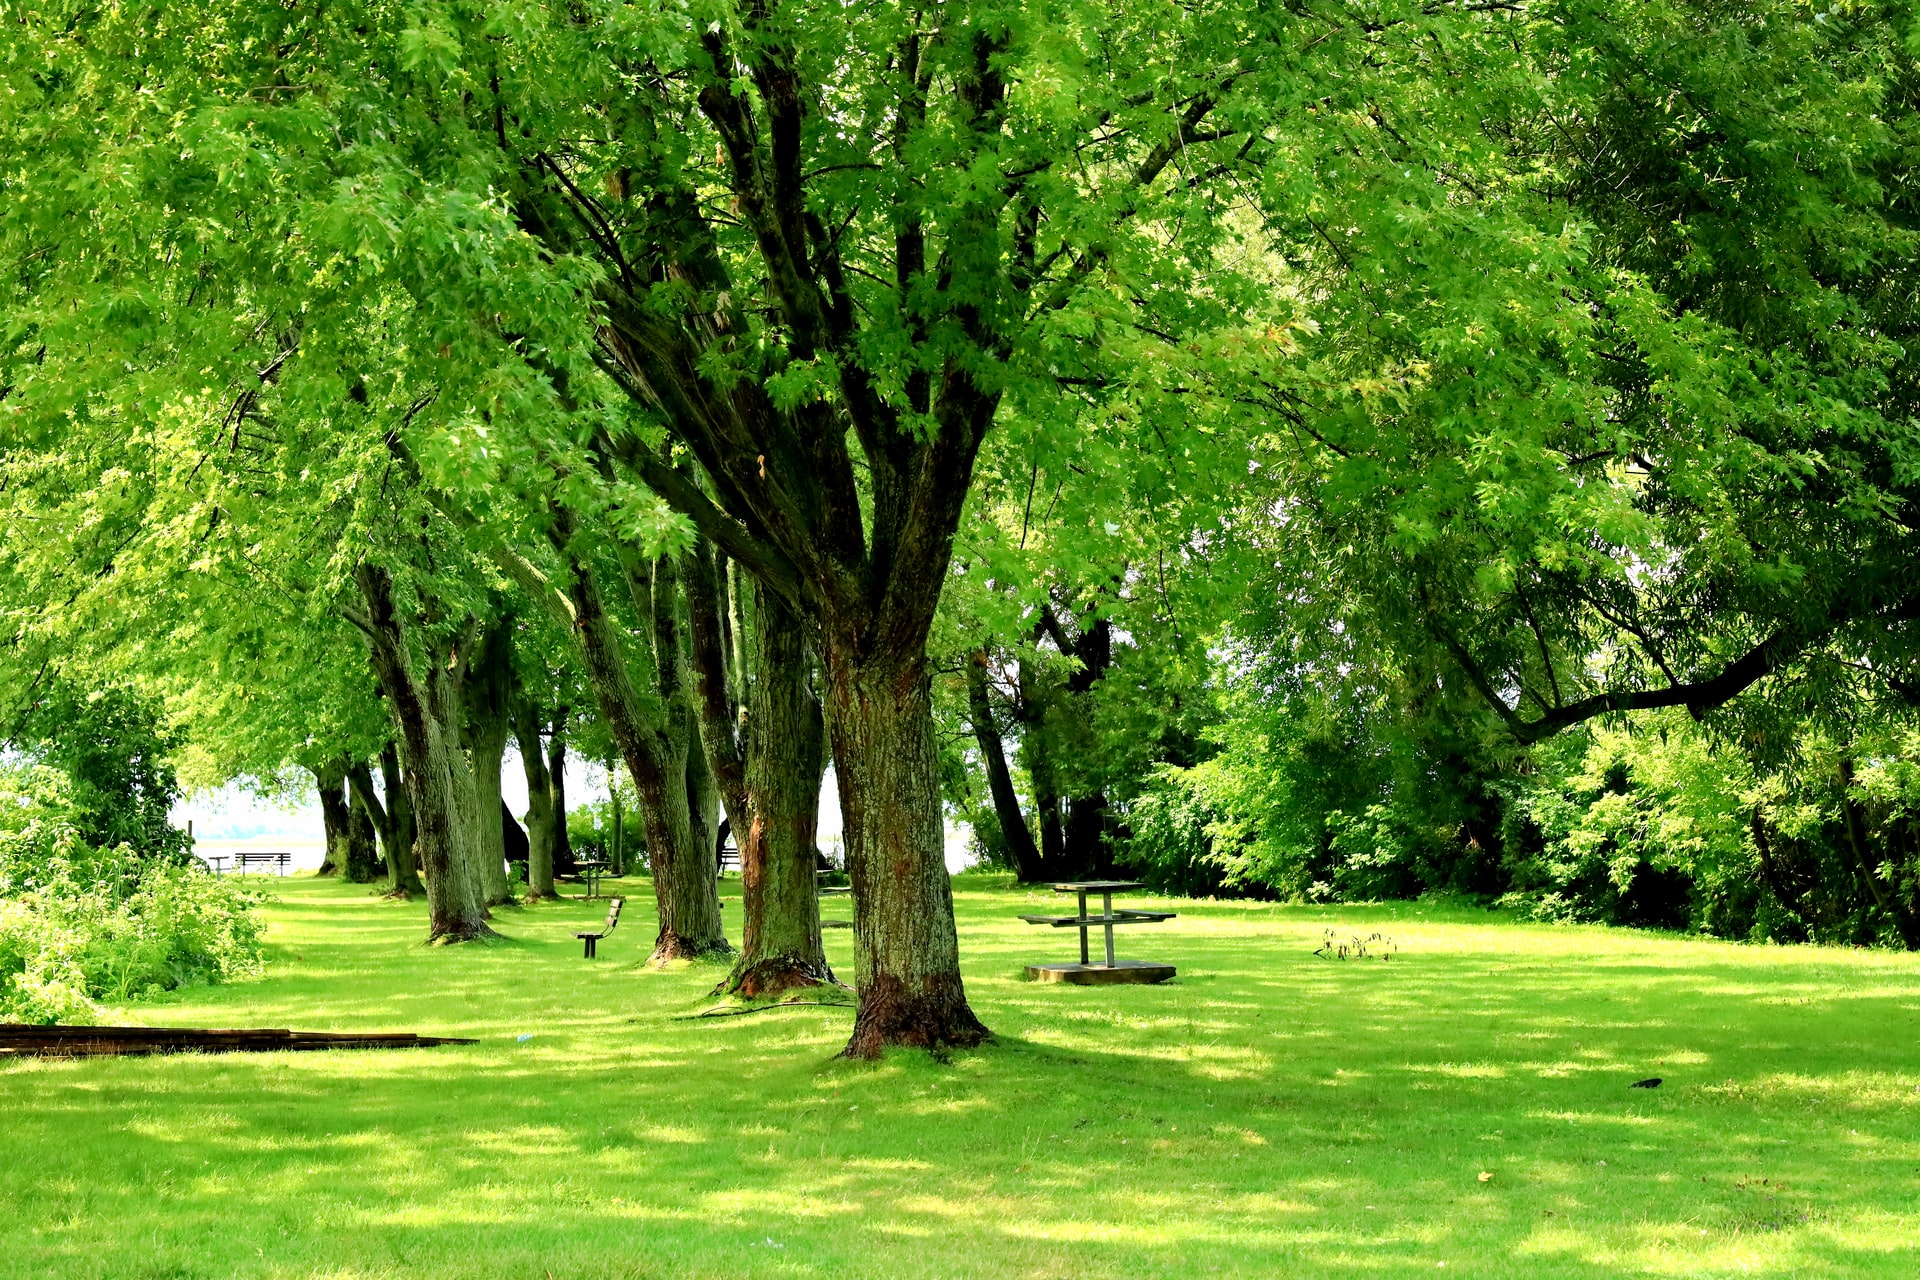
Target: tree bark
<point>400,805</point>
<point>768,778</point>
<point>489,693</point>
<point>563,859</point>
<point>540,818</point>
<point>703,809</point>
<point>785,756</point>
<point>335,816</point>
<point>393,819</point>
<point>886,759</point>
<point>363,849</point>
<point>426,714</point>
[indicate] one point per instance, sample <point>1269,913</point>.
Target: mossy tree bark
<point>768,777</point>
<point>887,762</point>
<point>426,710</point>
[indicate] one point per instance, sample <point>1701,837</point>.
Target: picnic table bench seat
<point>1122,915</point>
<point>592,940</point>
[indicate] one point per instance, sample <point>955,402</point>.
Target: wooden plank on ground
<point>22,1040</point>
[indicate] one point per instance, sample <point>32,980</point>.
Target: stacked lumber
<point>19,1040</point>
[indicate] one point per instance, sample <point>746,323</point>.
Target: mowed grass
<point>1268,1113</point>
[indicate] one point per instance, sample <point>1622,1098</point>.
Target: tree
<point>426,698</point>
<point>113,748</point>
<point>767,763</point>
<point>489,715</point>
<point>392,818</point>
<point>336,814</point>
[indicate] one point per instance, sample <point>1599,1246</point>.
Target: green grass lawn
<point>1266,1114</point>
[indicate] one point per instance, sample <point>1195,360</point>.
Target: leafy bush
<point>115,754</point>
<point>1170,842</point>
<point>80,925</point>
<point>1648,827</point>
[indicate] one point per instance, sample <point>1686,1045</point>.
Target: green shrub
<point>1172,842</point>
<point>79,925</point>
<point>1646,826</point>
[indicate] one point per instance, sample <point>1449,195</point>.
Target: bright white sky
<point>234,818</point>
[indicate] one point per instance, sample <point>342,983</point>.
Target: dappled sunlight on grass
<point>1268,1113</point>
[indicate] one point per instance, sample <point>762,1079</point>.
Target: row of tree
<point>777,383</point>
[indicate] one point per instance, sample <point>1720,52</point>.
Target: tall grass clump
<point>80,925</point>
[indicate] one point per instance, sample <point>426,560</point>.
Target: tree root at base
<point>774,974</point>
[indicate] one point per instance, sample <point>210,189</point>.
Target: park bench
<point>277,860</point>
<point>1113,970</point>
<point>593,939</point>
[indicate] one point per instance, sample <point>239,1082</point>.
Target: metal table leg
<point>1083,928</point>
<point>1106,909</point>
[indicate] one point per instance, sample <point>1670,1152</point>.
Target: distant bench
<point>277,859</point>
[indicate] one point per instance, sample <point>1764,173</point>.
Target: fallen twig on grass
<point>762,1008</point>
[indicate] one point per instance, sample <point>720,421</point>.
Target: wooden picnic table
<point>1113,970</point>
<point>591,870</point>
<point>214,862</point>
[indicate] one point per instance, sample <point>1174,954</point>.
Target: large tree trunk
<point>487,753</point>
<point>540,818</point>
<point>993,754</point>
<point>654,740</point>
<point>406,832</point>
<point>703,807</point>
<point>786,754</point>
<point>393,819</point>
<point>489,692</point>
<point>335,815</point>
<point>427,715</point>
<point>680,862</point>
<point>363,848</point>
<point>887,761</point>
<point>563,859</point>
